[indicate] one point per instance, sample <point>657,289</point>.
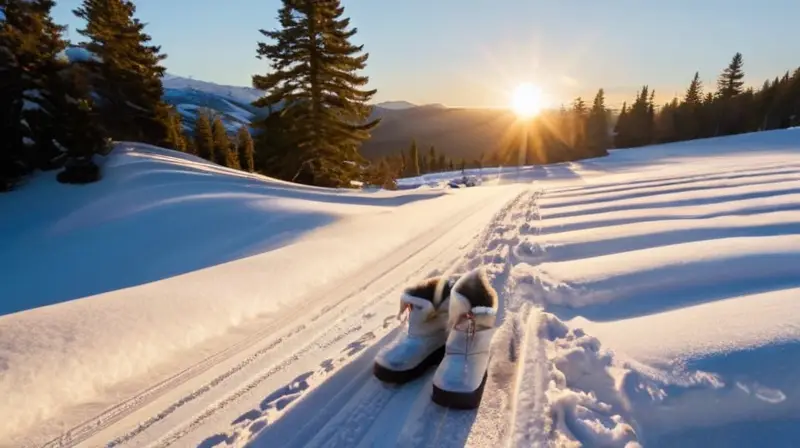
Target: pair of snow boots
<point>451,322</point>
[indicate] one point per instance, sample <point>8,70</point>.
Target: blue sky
<point>473,52</point>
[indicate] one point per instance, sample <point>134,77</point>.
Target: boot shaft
<point>423,317</point>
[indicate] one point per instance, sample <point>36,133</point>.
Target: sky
<point>472,53</point>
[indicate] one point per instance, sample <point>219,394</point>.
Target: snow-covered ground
<point>647,298</point>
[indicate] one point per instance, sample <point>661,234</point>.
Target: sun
<point>526,100</point>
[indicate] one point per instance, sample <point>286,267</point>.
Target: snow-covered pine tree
<point>314,76</point>
<point>47,109</point>
<point>80,134</point>
<point>30,42</point>
<point>127,73</point>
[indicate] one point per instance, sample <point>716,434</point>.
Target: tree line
<point>729,109</point>
<point>580,131</point>
<point>62,112</point>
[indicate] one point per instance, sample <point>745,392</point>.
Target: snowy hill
<point>233,103</point>
<point>648,298</point>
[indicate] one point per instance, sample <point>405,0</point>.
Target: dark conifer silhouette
<point>315,80</point>
<point>244,145</point>
<point>204,137</point>
<point>126,73</point>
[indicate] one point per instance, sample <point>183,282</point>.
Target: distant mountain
<point>233,103</point>
<point>456,132</point>
<point>396,105</point>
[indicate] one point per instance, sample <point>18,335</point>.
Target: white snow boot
<point>461,376</point>
<point>421,344</point>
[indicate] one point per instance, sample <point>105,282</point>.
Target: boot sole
<point>403,376</point>
<point>459,400</point>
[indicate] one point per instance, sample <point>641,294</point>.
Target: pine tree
<point>30,76</point>
<point>414,156</point>
<point>127,73</point>
<point>245,147</point>
<point>621,137</point>
<point>232,156</point>
<point>694,94</point>
<point>688,116</point>
<point>597,126</point>
<point>175,131</point>
<point>578,134</point>
<point>315,77</point>
<point>190,147</point>
<point>19,36</point>
<point>432,160</point>
<point>204,137</point>
<point>46,116</point>
<point>666,124</point>
<point>638,126</point>
<point>731,82</point>
<point>382,174</point>
<point>222,148</point>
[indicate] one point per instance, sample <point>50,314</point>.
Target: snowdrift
<point>669,278</point>
<point>105,282</point>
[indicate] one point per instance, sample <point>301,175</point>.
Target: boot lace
<point>469,317</point>
<point>405,310</point>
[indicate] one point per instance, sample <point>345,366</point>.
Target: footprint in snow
<point>359,344</point>
<point>529,252</point>
<point>248,416</point>
<point>286,394</point>
<point>327,365</point>
<point>257,426</point>
<point>215,440</point>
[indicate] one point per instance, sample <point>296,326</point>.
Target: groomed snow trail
<point>307,372</point>
<point>352,409</point>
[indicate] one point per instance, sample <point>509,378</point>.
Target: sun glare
<point>526,100</point>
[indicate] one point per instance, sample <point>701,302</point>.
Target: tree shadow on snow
<point>151,246</point>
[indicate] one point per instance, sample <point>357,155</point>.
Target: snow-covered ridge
<point>239,94</point>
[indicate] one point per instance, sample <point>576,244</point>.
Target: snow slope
<point>646,300</point>
<point>115,290</point>
<point>669,283</point>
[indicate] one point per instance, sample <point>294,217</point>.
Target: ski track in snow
<point>353,327</point>
<point>353,409</point>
